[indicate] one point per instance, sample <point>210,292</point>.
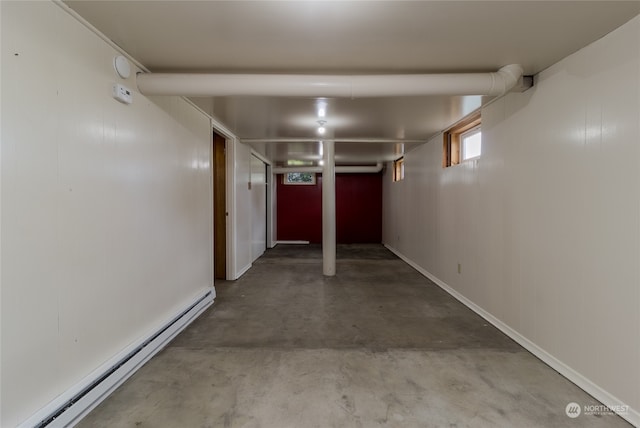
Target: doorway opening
<point>220,212</point>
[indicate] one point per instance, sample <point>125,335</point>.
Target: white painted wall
<point>105,208</point>
<point>546,225</point>
<point>258,208</point>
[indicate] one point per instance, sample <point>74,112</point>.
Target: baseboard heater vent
<point>80,404</point>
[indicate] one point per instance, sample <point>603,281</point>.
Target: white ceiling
<point>348,37</point>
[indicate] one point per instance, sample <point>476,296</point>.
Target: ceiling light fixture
<point>321,128</point>
<point>321,106</point>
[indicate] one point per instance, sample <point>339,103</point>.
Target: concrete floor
<point>377,345</point>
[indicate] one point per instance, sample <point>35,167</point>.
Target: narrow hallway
<point>377,345</point>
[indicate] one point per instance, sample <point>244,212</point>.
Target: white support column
<point>329,210</point>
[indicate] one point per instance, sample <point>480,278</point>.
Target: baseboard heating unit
<point>73,405</point>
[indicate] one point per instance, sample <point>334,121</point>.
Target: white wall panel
<point>546,224</point>
<point>106,208</point>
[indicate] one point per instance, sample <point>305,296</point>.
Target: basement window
<point>463,141</point>
<point>398,169</point>
<point>471,144</point>
<point>299,178</point>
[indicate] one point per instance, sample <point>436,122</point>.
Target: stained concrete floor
<point>377,345</point>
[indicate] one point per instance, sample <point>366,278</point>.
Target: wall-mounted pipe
<point>355,169</point>
<point>251,141</point>
<point>332,86</point>
<point>359,169</point>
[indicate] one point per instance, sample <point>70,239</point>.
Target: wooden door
<point>219,207</point>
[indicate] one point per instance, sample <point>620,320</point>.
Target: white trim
<point>160,338</point>
<point>270,206</point>
<point>98,33</point>
<point>230,155</point>
<point>243,270</point>
<point>212,243</point>
<point>591,388</point>
<point>260,157</point>
<point>218,127</point>
<point>292,242</point>
<point>273,206</point>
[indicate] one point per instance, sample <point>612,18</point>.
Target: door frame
<point>230,140</point>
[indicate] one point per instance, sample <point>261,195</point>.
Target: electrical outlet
<point>459,268</point>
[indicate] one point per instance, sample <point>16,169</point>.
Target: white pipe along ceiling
<point>331,86</point>
<point>353,169</point>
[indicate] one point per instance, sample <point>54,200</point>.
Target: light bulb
<point>321,106</point>
<point>321,128</point>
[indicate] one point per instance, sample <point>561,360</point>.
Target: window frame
<point>398,169</point>
<point>452,141</point>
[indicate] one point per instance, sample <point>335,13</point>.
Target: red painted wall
<point>358,209</point>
